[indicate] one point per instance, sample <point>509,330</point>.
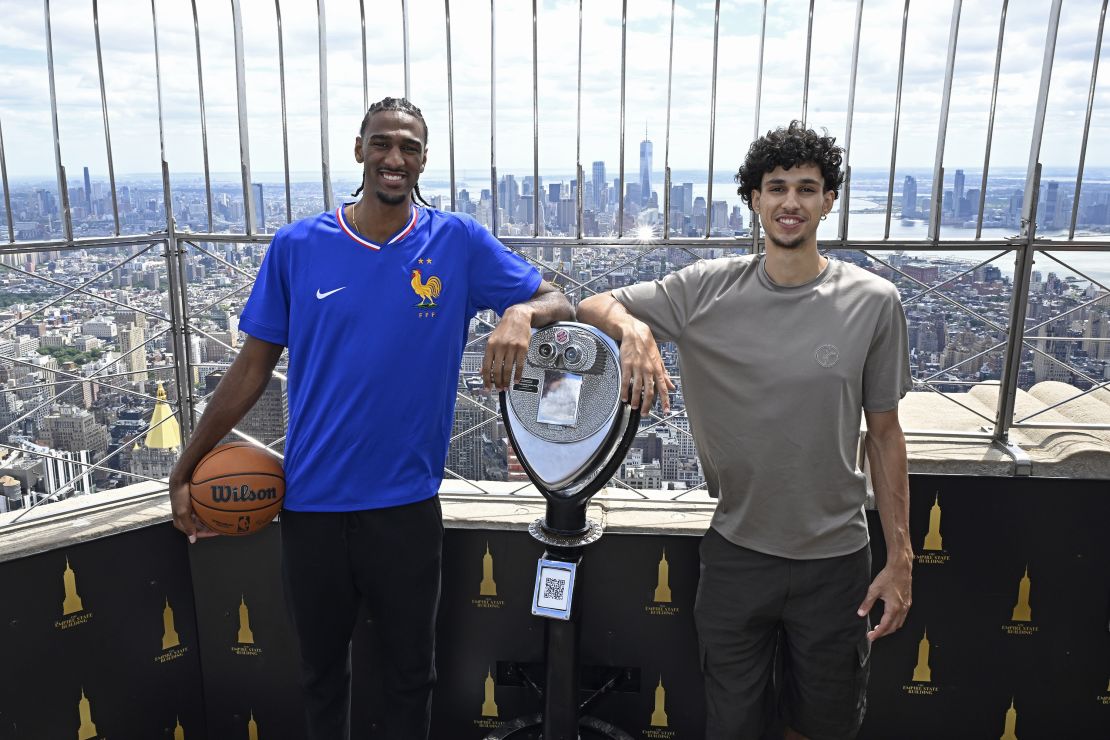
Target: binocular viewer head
<point>566,420</point>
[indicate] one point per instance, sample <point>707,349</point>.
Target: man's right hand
<point>642,370</point>
<point>184,518</point>
<point>241,386</point>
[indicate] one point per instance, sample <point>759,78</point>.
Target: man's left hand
<point>506,348</point>
<point>894,586</point>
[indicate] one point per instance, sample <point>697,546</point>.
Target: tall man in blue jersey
<point>373,302</point>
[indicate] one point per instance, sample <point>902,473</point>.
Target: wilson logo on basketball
<point>242,493</point>
<point>237,488</point>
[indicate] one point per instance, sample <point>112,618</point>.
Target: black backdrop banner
<point>139,635</point>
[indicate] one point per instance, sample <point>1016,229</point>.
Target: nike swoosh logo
<point>325,295</point>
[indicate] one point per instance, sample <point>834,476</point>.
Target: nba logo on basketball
<point>244,524</point>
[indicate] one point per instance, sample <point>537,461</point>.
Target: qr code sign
<point>553,588</point>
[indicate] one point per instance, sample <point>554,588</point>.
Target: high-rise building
<point>720,215</point>
<point>259,207</point>
<point>909,197</point>
<point>687,198</point>
<point>131,342</point>
<point>600,187</point>
<point>1053,364</point>
<point>1050,206</point>
<point>267,419</point>
<point>508,194</point>
<point>1098,327</point>
<point>72,428</point>
<point>971,202</point>
<point>88,192</point>
<point>958,190</point>
<point>645,169</point>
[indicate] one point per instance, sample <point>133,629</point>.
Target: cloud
<point>128,42</point>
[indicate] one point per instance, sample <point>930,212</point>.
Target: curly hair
<point>790,147</point>
<point>404,106</point>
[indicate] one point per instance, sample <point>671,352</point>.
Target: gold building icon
<point>84,711</point>
<point>663,585</point>
<point>1010,731</point>
<point>933,538</point>
<point>489,706</point>
<point>72,603</point>
<point>659,714</point>
<point>488,586</point>
<point>178,731</point>
<point>1022,612</point>
<point>169,634</point>
<point>246,637</point>
<point>921,671</point>
<point>252,728</point>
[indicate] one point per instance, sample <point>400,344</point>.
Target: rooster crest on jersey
<point>426,291</point>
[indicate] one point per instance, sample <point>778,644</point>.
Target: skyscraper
<point>645,169</point>
<point>909,197</point>
<point>508,193</point>
<point>259,207</point>
<point>958,194</point>
<point>600,187</point>
<point>131,342</point>
<point>88,192</point>
<point>267,419</point>
<point>1050,206</point>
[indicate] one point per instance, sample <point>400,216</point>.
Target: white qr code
<point>554,588</point>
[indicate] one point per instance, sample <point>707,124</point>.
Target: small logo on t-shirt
<point>827,355</point>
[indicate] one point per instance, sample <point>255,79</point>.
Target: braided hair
<point>404,106</point>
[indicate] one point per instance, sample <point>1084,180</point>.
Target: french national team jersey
<point>375,335</point>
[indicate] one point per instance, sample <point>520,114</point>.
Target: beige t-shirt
<point>775,379</point>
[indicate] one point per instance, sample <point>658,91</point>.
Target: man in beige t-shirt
<point>781,354</point>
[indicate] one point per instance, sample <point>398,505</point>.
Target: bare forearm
<point>608,314</point>
<point>545,307</point>
<point>886,453</point>
<point>240,388</point>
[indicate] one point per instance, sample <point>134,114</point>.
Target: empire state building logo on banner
<point>172,649</point>
<point>922,681</point>
<point>490,718</point>
<point>487,587</point>
<point>659,727</point>
<point>661,599</point>
<point>73,606</point>
<point>932,549</point>
<point>1021,619</point>
<point>245,636</point>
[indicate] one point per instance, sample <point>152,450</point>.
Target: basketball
<point>237,488</point>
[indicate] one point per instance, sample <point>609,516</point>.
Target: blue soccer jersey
<point>375,335</point>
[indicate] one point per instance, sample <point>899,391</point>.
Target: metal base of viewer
<point>539,531</point>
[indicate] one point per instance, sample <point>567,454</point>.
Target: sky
<point>128,40</point>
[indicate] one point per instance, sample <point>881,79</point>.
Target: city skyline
<point>83,372</point>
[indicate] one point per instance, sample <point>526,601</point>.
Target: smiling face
<point>393,154</point>
<point>790,204</point>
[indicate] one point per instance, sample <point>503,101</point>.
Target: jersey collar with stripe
<point>407,229</point>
